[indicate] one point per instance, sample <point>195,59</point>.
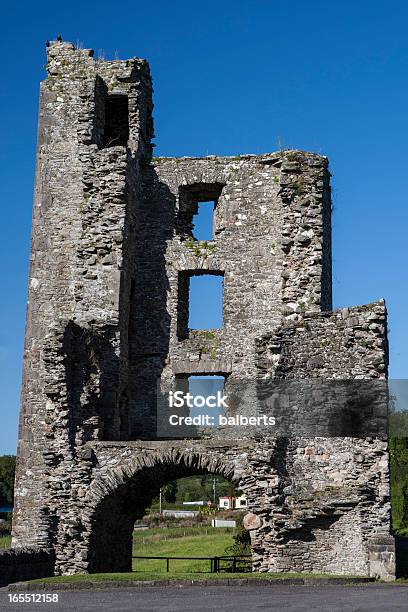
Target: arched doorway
<point>122,495</point>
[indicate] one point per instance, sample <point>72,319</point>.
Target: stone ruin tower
<point>112,255</point>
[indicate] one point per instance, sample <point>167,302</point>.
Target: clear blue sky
<point>230,77</point>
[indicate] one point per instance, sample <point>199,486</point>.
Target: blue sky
<point>231,77</point>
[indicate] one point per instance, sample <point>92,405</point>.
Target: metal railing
<point>223,563</point>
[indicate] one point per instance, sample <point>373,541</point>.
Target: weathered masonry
<point>113,253</point>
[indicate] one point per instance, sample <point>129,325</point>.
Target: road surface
<point>370,598</point>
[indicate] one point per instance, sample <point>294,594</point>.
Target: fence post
<point>167,564</point>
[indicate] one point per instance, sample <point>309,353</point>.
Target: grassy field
<point>5,541</point>
<point>179,542</point>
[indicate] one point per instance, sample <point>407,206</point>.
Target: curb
<point>115,584</point>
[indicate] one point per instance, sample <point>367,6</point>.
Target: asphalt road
<point>372,598</point>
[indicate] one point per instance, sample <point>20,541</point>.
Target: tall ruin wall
<point>112,255</point>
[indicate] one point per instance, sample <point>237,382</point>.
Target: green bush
<point>399,484</point>
<point>7,473</point>
<point>242,539</point>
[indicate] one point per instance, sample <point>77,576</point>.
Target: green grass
<point>179,542</point>
<point>5,541</point>
<point>181,576</point>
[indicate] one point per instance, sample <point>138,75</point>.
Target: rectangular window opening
<point>200,302</point>
<point>196,216</point>
<point>203,220</point>
<point>206,391</point>
<point>116,131</point>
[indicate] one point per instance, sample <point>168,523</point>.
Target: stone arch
<point>120,496</point>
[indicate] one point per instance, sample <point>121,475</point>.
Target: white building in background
<point>241,502</point>
<point>232,503</point>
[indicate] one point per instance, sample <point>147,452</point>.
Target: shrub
<point>242,539</point>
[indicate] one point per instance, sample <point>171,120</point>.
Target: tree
<point>169,492</point>
<point>7,473</point>
<point>399,482</point>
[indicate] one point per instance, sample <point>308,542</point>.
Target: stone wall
<point>79,269</point>
<point>112,252</point>
<point>25,564</point>
<point>322,504</point>
<point>350,343</point>
<point>271,245</point>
